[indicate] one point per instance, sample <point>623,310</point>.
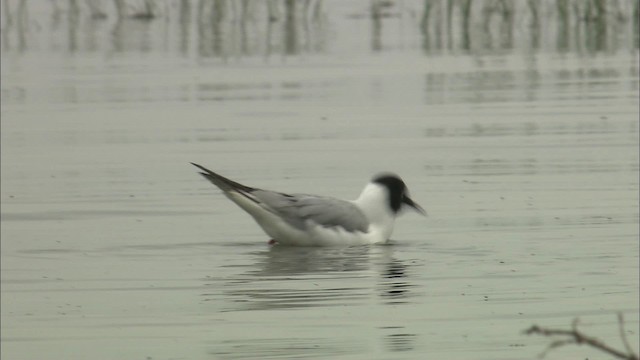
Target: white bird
<point>311,220</point>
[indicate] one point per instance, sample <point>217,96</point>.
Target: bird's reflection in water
<point>295,277</point>
<point>290,347</point>
<point>395,287</point>
<point>292,261</point>
<point>400,342</point>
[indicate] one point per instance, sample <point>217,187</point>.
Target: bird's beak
<point>407,200</point>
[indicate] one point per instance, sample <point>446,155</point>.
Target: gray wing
<point>296,209</point>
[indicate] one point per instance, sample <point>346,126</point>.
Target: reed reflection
<point>233,29</point>
<point>376,25</point>
<point>184,37</point>
<point>290,28</point>
<point>131,35</point>
<point>492,24</point>
<point>15,22</point>
<point>210,27</point>
<point>73,19</point>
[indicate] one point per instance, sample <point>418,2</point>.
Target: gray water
<point>113,247</point>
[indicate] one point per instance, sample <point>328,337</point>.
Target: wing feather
<point>296,209</point>
<point>299,209</point>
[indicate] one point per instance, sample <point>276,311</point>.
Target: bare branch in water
<point>575,336</point>
<point>623,336</point>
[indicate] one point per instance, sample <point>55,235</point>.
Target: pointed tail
<point>222,182</point>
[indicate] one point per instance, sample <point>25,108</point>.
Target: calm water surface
<point>114,248</point>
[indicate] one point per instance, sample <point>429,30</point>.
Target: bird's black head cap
<point>398,192</point>
<point>396,188</point>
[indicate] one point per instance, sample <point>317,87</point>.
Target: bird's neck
<point>374,202</point>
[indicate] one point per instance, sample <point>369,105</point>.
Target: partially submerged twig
<point>574,336</point>
<point>623,336</point>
